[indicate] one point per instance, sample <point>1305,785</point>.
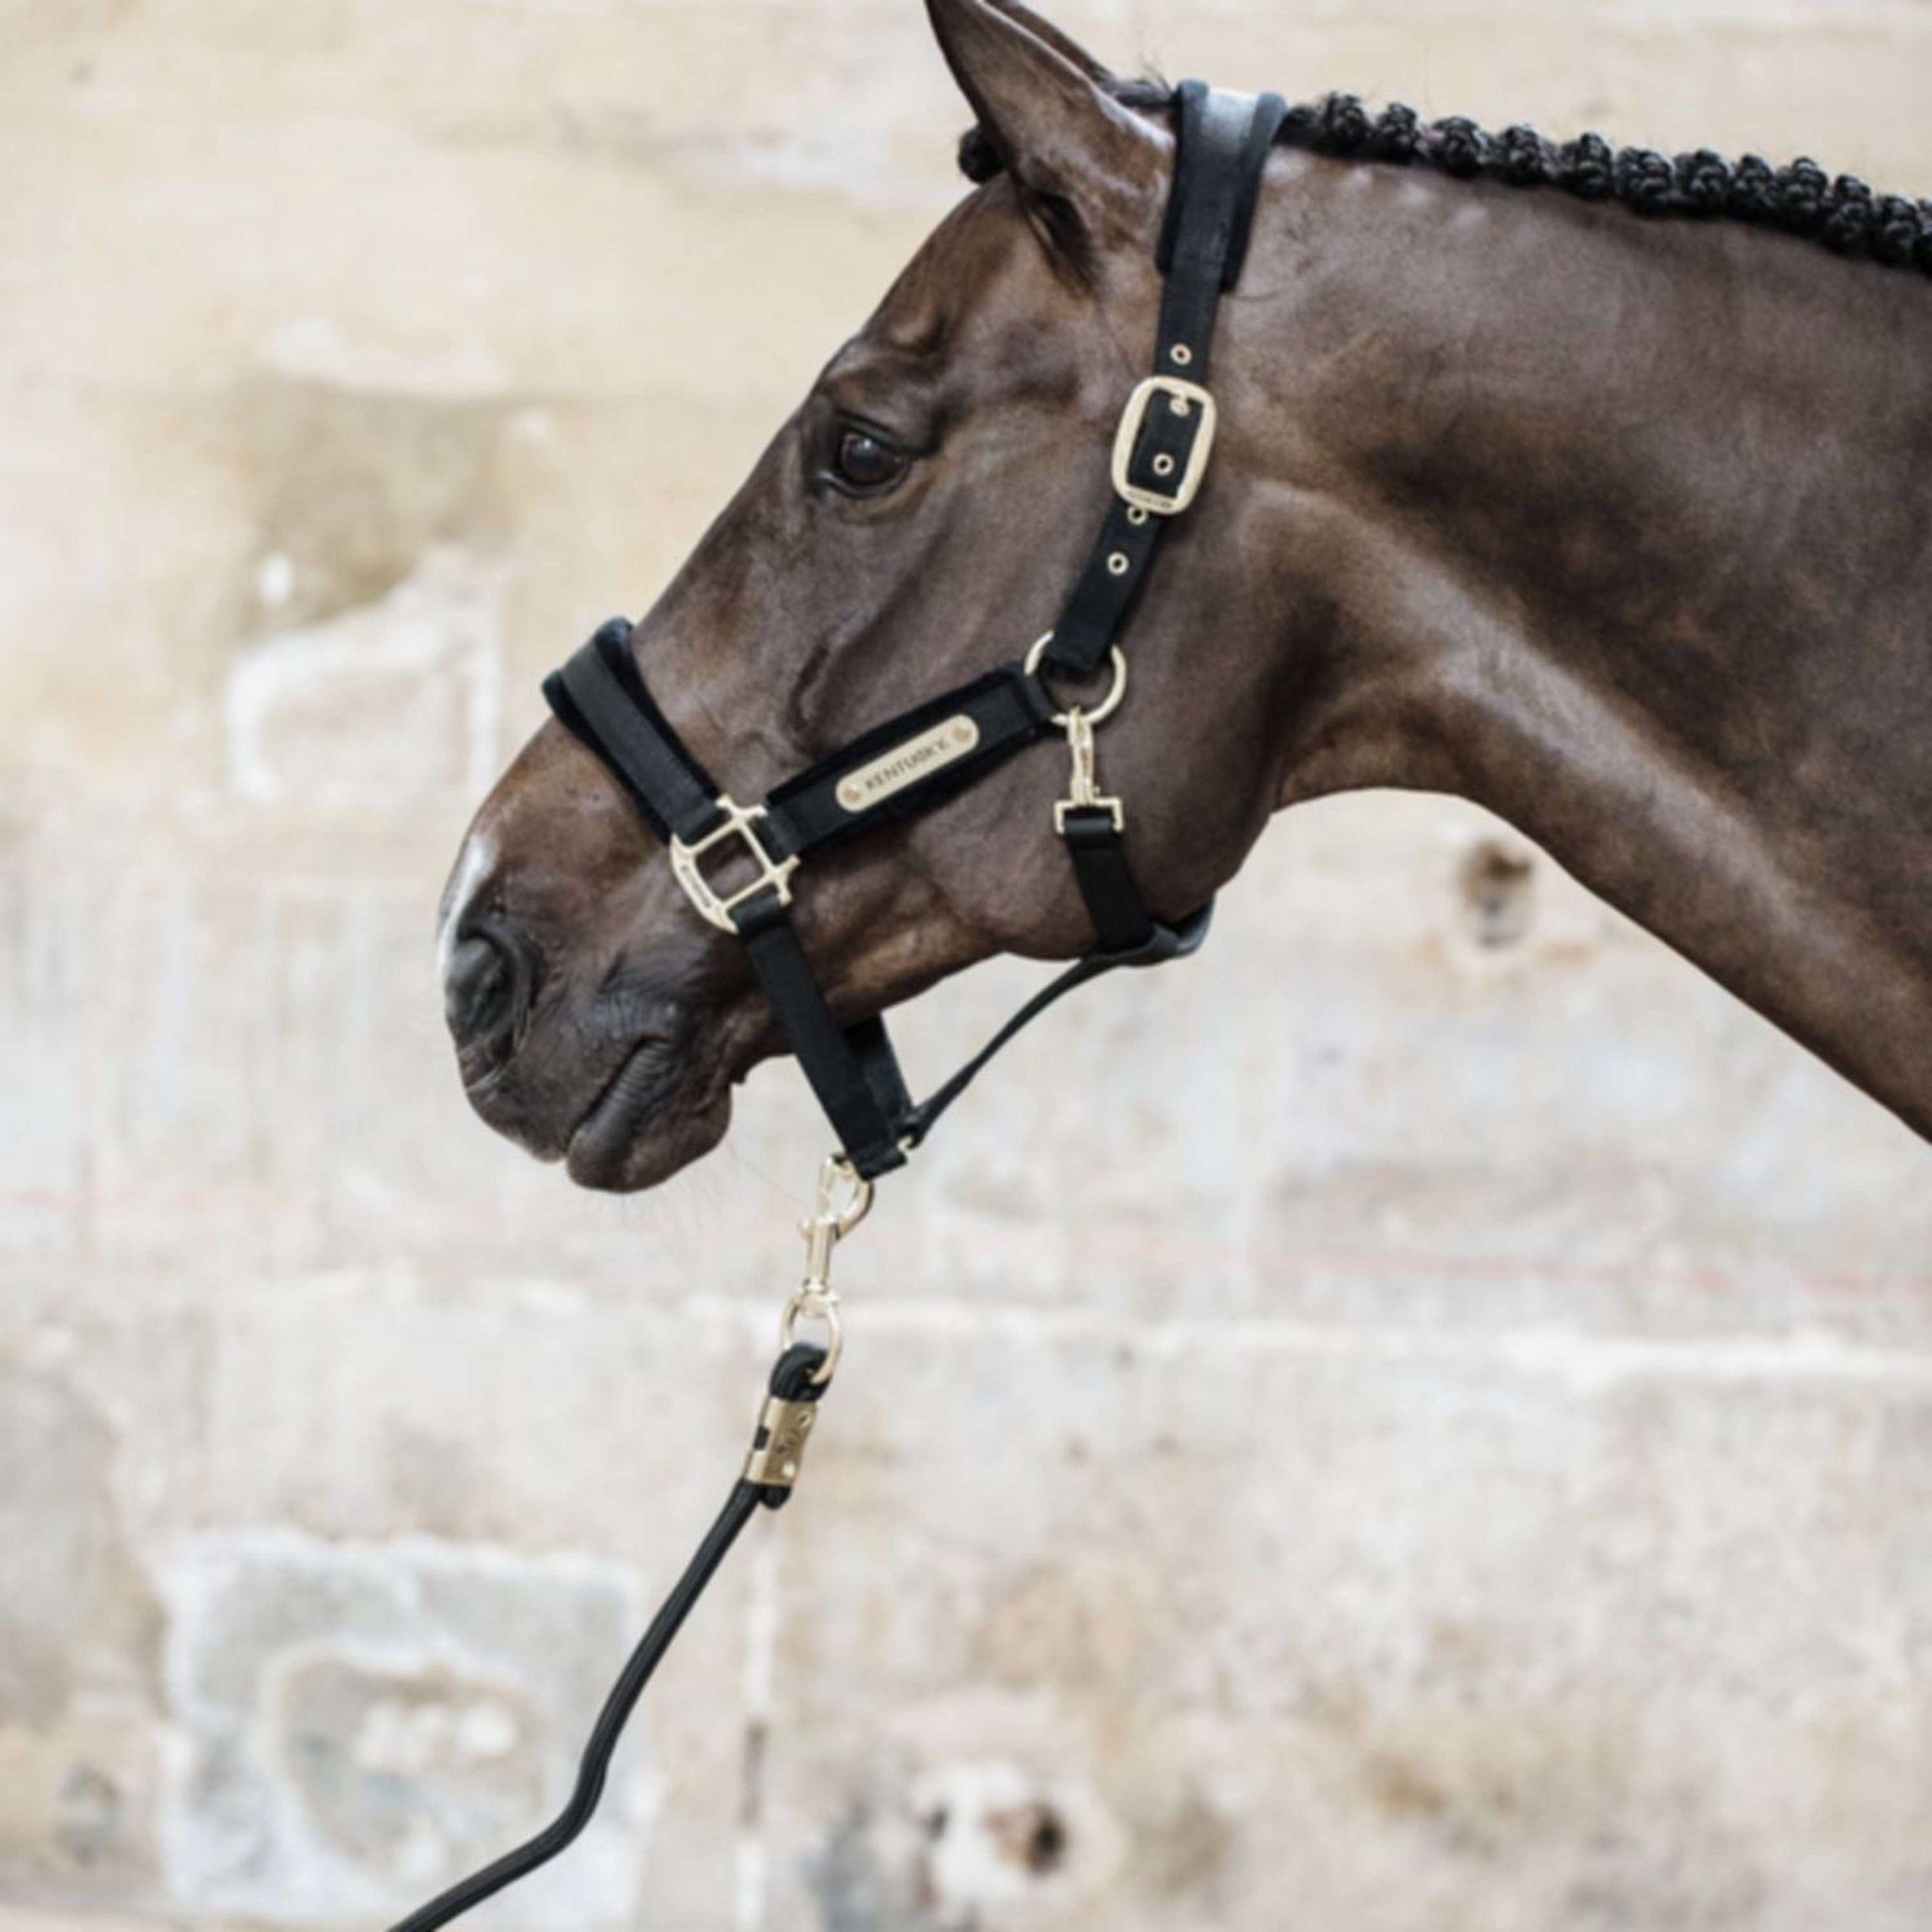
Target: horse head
<point>917,519</point>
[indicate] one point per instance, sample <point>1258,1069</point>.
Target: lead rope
<point>799,1379</point>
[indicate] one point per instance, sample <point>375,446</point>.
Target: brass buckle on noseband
<point>740,822</point>
<point>1183,398</point>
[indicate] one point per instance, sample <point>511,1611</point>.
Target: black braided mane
<point>1844,213</point>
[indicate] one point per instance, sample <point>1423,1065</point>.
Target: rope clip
<point>843,1200</point>
<point>1084,793</point>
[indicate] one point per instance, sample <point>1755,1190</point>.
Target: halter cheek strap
<point>1167,434</point>
<point>915,761</point>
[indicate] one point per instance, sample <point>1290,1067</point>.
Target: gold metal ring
<point>817,1308</point>
<point>1108,705</point>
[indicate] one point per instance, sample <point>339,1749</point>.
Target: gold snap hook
<point>843,1200</point>
<point>1084,793</point>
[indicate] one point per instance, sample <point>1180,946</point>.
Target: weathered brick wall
<point>1466,1462</point>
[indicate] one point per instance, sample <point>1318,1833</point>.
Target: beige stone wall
<point>1468,1464</point>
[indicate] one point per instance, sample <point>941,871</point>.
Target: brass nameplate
<point>906,764</point>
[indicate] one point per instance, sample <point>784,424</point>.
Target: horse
<point>1592,485</point>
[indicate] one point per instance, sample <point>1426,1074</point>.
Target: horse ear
<point>1064,45</point>
<point>1084,162</point>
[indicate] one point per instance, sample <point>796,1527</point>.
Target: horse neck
<point>1626,527</point>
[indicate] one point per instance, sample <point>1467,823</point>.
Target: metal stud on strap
<point>741,822</point>
<point>1181,398</point>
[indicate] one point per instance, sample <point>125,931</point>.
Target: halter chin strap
<point>912,763</point>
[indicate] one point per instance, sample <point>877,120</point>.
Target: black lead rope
<point>793,1391</point>
<point>906,766</point>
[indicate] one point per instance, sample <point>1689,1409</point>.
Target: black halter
<point>903,767</point>
<point>916,760</point>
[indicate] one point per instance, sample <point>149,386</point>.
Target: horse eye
<point>865,463</point>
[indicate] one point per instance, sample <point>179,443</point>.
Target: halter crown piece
<point>898,770</point>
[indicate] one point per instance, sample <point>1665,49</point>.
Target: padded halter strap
<point>913,762</point>
<point>601,696</point>
<point>1222,144</point>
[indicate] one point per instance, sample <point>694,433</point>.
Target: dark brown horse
<point>1620,526</point>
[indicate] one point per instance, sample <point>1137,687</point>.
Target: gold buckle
<point>740,822</point>
<point>1182,397</point>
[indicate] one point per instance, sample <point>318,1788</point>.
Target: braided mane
<point>1845,214</point>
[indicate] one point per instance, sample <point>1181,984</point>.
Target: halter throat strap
<point>913,762</point>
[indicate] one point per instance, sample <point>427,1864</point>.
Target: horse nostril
<point>480,991</point>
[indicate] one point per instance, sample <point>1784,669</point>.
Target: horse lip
<point>601,1141</point>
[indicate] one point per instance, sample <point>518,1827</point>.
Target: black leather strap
<point>862,1116</point>
<point>600,694</point>
<point>1123,553</point>
<point>1270,111</point>
<point>1121,921</point>
<point>1221,143</point>
<point>1221,146</point>
<point>909,764</point>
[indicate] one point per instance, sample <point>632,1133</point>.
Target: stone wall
<point>1468,1463</point>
